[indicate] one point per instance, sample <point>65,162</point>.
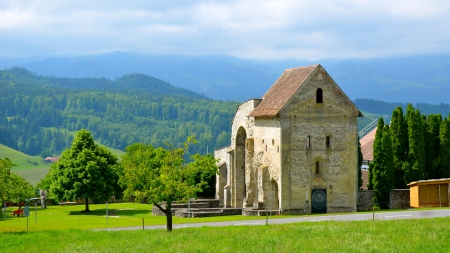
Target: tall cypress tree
<point>415,166</point>
<point>399,139</point>
<point>360,161</point>
<point>383,172</point>
<point>444,153</point>
<point>373,167</point>
<point>432,145</point>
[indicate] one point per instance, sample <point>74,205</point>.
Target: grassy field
<point>23,161</point>
<point>31,168</point>
<point>120,215</point>
<point>415,235</point>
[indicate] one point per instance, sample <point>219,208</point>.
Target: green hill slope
<point>31,168</point>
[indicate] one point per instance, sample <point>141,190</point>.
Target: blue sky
<point>277,29</point>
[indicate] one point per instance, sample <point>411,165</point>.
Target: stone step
<point>256,212</point>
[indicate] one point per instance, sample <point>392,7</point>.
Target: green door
<point>319,201</point>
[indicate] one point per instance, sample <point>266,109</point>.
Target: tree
<point>85,170</point>
<point>376,149</point>
<point>383,173</point>
<point>432,145</point>
<point>444,153</point>
<point>399,138</point>
<point>5,171</point>
<point>19,189</point>
<point>415,166</point>
<point>360,161</point>
<point>161,176</point>
<point>12,186</point>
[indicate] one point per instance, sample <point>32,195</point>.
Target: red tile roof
<point>281,91</point>
<point>367,145</point>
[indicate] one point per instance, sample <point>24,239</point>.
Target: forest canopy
<point>40,114</point>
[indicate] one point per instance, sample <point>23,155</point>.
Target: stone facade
<point>294,150</point>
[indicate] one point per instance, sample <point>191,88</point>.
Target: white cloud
<point>253,28</point>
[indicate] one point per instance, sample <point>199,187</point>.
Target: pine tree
<point>399,138</point>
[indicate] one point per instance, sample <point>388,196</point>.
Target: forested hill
<point>38,114</point>
<point>130,83</point>
<point>386,108</point>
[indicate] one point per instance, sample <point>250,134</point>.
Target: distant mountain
<point>218,76</point>
<point>401,79</point>
<point>418,79</point>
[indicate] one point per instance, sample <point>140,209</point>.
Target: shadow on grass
<point>111,212</point>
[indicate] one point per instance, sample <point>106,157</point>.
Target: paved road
<point>309,218</point>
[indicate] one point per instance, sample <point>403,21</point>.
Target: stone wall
<point>399,199</point>
<point>365,200</point>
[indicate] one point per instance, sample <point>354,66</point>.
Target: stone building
<point>294,150</point>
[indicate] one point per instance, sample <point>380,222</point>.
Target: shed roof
<point>431,181</point>
<point>281,91</point>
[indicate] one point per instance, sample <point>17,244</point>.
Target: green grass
<point>33,176</point>
<point>117,152</point>
<point>72,217</point>
<point>31,168</point>
<point>23,161</point>
<point>416,235</point>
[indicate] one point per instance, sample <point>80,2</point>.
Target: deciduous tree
<point>161,176</point>
<point>85,170</point>
<point>12,186</point>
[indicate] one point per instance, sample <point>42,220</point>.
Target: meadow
<point>66,229</point>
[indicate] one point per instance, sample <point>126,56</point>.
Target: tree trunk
<point>168,213</point>
<point>87,205</point>
<point>169,216</point>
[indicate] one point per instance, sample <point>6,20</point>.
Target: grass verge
<point>416,235</point>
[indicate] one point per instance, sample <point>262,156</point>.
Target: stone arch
<point>240,164</point>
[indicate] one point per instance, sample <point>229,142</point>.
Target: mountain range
<point>415,79</point>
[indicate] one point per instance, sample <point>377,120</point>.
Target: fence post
<point>373,211</point>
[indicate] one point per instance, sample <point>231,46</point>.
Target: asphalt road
<point>384,215</point>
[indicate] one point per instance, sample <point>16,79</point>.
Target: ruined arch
<point>240,158</point>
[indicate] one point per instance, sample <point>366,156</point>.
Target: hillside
<point>415,79</point>
<point>42,113</point>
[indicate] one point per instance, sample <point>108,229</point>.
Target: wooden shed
<point>429,193</point>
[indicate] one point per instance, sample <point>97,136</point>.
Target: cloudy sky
<point>304,29</point>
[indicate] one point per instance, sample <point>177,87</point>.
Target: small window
<point>328,142</point>
<point>308,141</point>
<point>317,167</point>
<point>319,96</point>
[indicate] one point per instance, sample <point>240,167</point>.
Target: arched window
<point>317,167</point>
<point>319,96</point>
<point>328,142</point>
<point>308,141</point>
